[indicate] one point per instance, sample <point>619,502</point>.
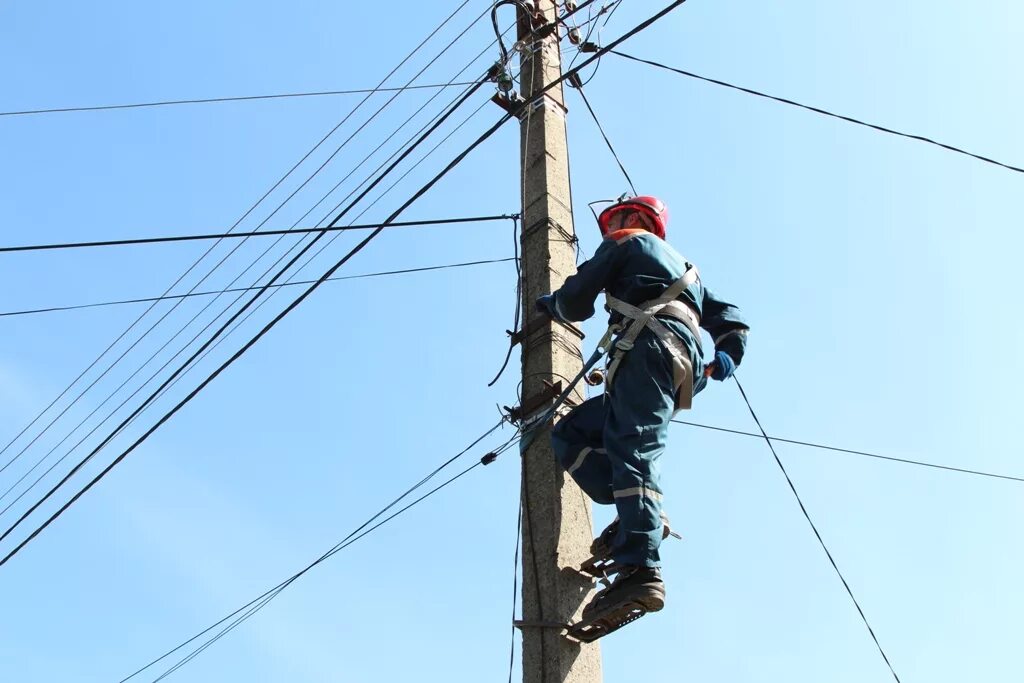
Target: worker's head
<point>645,212</point>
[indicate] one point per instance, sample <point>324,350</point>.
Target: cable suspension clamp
<point>536,406</point>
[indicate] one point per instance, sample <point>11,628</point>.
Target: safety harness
<point>636,318</point>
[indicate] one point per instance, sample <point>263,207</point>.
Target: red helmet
<point>652,207</point>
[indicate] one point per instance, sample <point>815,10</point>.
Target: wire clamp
<point>532,409</point>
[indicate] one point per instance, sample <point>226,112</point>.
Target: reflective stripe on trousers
<point>631,425</point>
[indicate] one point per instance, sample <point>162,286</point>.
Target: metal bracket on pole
<point>539,322</point>
<point>510,102</point>
<point>520,624</point>
<point>544,102</point>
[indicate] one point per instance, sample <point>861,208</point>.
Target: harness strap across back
<point>643,316</point>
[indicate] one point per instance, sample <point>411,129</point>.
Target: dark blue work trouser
<point>611,445</point>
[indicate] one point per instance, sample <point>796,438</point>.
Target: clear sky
<point>878,275</point>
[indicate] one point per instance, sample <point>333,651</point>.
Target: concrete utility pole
<point>557,528</point>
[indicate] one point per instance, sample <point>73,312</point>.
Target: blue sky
<point>878,274</point>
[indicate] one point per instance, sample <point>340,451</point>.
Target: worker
<point>611,443</point>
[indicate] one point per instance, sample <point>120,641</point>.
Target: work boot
<point>600,562</point>
<point>641,585</point>
<point>635,592</point>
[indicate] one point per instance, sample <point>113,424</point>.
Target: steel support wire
<point>290,283</point>
<point>235,316</point>
<point>604,135</point>
<point>357,248</point>
<point>865,454</point>
<point>240,98</point>
<point>823,112</point>
<point>814,528</point>
<point>203,257</point>
<point>363,529</point>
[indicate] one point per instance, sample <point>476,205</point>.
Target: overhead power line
<point>288,309</point>
<point>261,233</point>
<point>242,98</point>
<point>330,272</point>
<point>823,112</point>
<point>196,263</point>
<point>422,269</point>
<point>593,115</point>
<point>250,608</point>
<point>853,452</point>
<point>814,528</point>
<point>165,388</point>
<point>245,215</point>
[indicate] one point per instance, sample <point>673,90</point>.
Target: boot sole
<point>611,620</point>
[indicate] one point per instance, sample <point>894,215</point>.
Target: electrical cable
<point>265,329</point>
<point>383,164</point>
<point>814,528</point>
<point>852,452</point>
<point>498,39</point>
<point>521,6</point>
<point>608,7</point>
<point>198,261</point>
<point>358,247</point>
<point>518,305</point>
<point>243,98</point>
<point>823,112</point>
<point>352,537</point>
<point>515,586</point>
<point>608,142</point>
<point>290,283</point>
<point>287,284</point>
<point>166,386</point>
<point>309,260</point>
<point>266,601</point>
<point>264,233</point>
<point>358,187</point>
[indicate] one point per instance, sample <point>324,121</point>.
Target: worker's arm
<point>725,324</point>
<point>574,300</point>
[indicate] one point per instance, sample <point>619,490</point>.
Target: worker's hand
<point>721,368</point>
<point>546,304</point>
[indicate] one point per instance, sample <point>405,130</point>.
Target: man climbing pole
<point>611,443</point>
